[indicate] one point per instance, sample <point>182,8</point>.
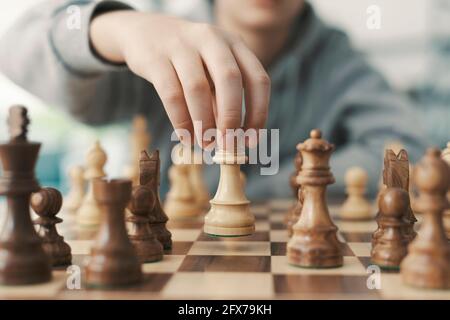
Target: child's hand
<point>199,71</point>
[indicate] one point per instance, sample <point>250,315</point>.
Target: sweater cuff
<point>70,40</point>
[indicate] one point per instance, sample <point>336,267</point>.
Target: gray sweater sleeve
<point>356,110</point>
<point>52,58</point>
<point>365,115</point>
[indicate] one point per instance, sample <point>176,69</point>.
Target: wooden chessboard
<point>254,267</point>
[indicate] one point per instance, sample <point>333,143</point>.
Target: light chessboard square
<point>231,248</point>
<point>218,285</point>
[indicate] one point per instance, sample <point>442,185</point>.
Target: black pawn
<point>390,247</point>
<point>47,203</point>
<point>148,248</point>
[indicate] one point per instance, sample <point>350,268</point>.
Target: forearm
<point>104,43</point>
<point>57,63</point>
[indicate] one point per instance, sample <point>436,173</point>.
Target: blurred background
<point>412,49</point>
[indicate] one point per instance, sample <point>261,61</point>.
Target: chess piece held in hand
<point>389,248</point>
<point>356,206</point>
<point>22,256</point>
<point>427,264</point>
<point>113,261</point>
<point>46,203</point>
<point>148,248</point>
<point>314,243</point>
<point>230,214</point>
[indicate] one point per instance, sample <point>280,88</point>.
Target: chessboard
<point>252,267</point>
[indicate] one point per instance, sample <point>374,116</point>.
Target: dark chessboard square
<point>346,251</point>
<point>225,264</point>
<point>152,282</point>
<point>179,248</point>
<point>277,225</point>
<point>256,236</point>
<point>357,236</point>
<point>319,284</point>
<point>278,248</point>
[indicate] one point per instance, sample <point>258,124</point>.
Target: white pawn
<point>356,206</point>
<point>230,214</point>
<point>88,215</point>
<point>201,193</point>
<point>77,189</point>
<point>180,201</point>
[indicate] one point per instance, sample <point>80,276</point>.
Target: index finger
<point>226,76</point>
<point>256,85</point>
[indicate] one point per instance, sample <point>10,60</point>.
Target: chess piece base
<point>31,267</point>
<point>148,250</point>
<point>423,274</point>
<point>388,257</point>
<point>124,270</point>
<point>60,253</point>
<point>229,220</point>
<point>162,234</point>
<point>228,232</point>
<point>320,249</point>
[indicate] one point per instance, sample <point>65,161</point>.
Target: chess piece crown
<point>19,155</point>
<point>316,153</point>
